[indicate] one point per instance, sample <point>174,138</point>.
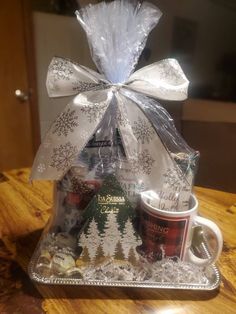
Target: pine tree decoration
<point>130,238</point>
<point>108,223</point>
<point>119,255</point>
<point>131,257</point>
<point>91,239</point>
<point>85,255</point>
<point>111,235</point>
<point>99,253</point>
<point>83,239</point>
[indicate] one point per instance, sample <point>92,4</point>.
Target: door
<point>18,115</point>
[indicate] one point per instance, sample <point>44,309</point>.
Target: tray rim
<point>121,284</point>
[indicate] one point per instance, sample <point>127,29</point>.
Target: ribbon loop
<point>164,80</point>
<point>66,78</point>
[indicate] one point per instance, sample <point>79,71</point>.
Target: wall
<point>216,143</point>
<point>56,35</point>
<point>215,27</point>
<point>214,36</point>
<point>210,127</point>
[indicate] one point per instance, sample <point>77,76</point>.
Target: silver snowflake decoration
<point>61,69</point>
<point>79,86</point>
<point>143,131</point>
<point>94,111</point>
<point>84,135</point>
<point>41,167</point>
<point>171,177</point>
<point>175,179</point>
<point>65,123</point>
<point>143,163</point>
<point>63,156</point>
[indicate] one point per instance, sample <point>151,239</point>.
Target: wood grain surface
<point>26,208</point>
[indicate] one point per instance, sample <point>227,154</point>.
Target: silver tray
<point>211,274</point>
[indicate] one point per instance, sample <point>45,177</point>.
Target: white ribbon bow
<point>73,128</point>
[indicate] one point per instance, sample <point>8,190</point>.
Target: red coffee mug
<point>169,234</point>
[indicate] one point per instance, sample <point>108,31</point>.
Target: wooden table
<point>24,211</point>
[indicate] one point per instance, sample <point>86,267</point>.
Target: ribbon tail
<point>129,141</point>
<point>69,134</point>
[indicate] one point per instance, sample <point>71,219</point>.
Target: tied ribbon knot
<point>146,154</point>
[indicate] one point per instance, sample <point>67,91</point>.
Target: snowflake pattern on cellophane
<point>63,156</point>
<point>173,177</point>
<point>61,69</point>
<point>142,163</point>
<point>65,123</point>
<point>143,131</point>
<point>94,111</point>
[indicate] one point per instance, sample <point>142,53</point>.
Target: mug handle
<point>219,240</point>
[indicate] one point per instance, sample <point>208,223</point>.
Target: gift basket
<point>123,213</point>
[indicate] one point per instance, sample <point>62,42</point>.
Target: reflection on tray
<point>61,260</point>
